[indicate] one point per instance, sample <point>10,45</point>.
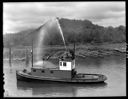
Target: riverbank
<point>83,50</point>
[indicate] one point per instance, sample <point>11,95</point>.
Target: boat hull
<point>27,77</point>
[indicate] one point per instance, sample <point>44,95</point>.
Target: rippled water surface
<point>114,67</point>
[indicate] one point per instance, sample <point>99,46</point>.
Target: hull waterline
<point>28,77</point>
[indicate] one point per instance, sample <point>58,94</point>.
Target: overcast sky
<point>20,16</point>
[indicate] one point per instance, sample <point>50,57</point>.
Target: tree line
<point>79,31</point>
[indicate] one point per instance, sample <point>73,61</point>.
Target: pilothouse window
<point>60,63</point>
<point>64,63</point>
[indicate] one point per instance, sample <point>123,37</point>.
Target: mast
<point>74,45</point>
<point>32,52</point>
<point>74,49</point>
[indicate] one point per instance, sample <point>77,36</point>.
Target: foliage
<point>80,31</point>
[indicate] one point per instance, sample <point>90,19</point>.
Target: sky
<point>20,16</point>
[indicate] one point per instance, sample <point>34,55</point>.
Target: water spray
<point>39,42</point>
<point>61,32</point>
<point>43,30</point>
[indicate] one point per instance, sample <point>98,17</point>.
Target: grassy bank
<point>82,50</point>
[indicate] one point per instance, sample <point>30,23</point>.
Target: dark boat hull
<point>27,77</point>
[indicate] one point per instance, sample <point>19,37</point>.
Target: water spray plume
<point>39,51</point>
<point>39,63</point>
<point>44,31</point>
<point>61,32</point>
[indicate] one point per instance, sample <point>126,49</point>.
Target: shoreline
<point>83,50</point>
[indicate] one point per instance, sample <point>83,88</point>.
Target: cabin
<point>66,69</point>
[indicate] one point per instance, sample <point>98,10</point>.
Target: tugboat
<point>65,72</point>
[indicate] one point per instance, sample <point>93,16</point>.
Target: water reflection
<point>45,87</point>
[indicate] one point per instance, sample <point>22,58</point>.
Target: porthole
<point>34,70</point>
<point>51,71</point>
<point>43,71</point>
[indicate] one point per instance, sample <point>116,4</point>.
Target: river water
<point>114,67</point>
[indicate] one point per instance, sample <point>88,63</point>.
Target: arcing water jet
<point>61,33</point>
<point>43,32</point>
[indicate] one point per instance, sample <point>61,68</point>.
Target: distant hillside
<point>82,31</point>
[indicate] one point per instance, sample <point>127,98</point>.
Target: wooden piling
<point>27,58</point>
<point>10,56</point>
